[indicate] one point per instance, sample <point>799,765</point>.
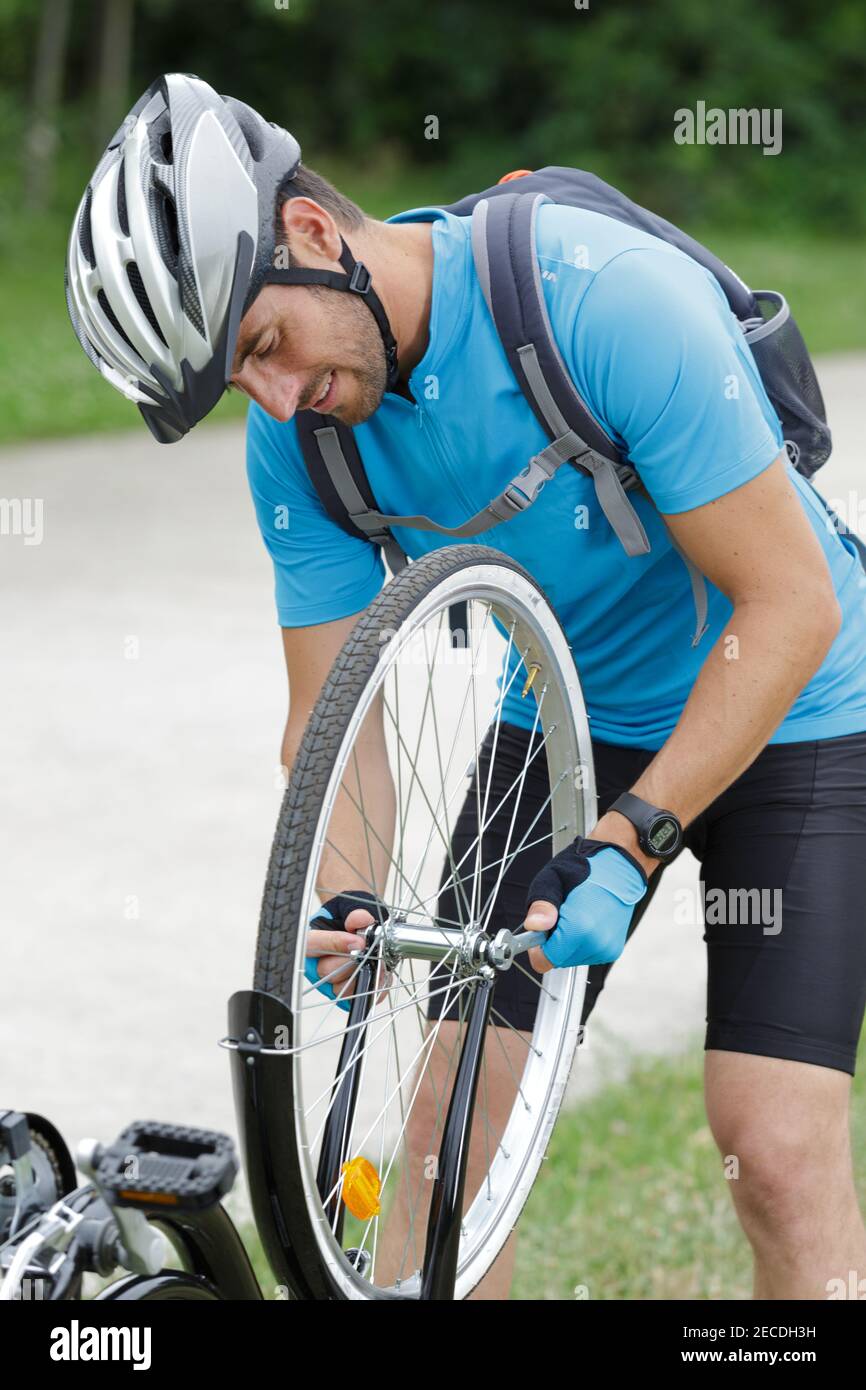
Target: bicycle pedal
<point>164,1165</point>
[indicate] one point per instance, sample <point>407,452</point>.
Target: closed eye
<point>264,352</point>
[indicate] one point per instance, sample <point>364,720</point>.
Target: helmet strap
<point>357,280</point>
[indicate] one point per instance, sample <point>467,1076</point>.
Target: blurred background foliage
<point>510,86</point>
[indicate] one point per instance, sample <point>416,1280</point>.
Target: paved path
<point>143,697</point>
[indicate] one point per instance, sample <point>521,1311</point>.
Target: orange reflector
<point>515,174</point>
<point>166,1199</point>
<point>361,1188</point>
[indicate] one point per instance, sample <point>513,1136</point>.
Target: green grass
<point>49,388</point>
<point>822,280</point>
<point>631,1201</point>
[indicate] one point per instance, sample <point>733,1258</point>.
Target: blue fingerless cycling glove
<point>333,914</point>
<point>595,885</point>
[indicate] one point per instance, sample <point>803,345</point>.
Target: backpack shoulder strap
<point>505,253</point>
<point>504,249</point>
<point>337,472</point>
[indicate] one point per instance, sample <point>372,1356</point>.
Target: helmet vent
<point>137,285</point>
<point>85,235</point>
<point>121,203</point>
<point>159,137</point>
<point>169,222</point>
<point>109,313</point>
<point>163,218</point>
<point>251,125</point>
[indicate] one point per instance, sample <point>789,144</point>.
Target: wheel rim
<point>505,607</point>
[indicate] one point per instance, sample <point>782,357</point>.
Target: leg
<point>782,1130</point>
<point>783,853</point>
<point>401,1243</point>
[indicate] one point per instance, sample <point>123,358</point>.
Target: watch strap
<point>635,809</point>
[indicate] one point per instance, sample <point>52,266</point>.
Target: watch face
<point>663,835</point>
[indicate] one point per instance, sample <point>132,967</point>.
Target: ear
<point>310,231</point>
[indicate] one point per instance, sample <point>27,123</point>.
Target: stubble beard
<point>358,350</point>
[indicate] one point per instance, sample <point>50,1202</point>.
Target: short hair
<point>308,184</point>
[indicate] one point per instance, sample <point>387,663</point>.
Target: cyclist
<point>749,747</point>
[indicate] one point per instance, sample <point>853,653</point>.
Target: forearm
<point>752,675</point>
<point>360,834</point>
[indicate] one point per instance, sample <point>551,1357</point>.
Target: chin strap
<point>357,280</point>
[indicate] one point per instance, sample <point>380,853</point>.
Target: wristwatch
<point>659,833</point>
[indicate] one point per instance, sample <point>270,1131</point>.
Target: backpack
<point>503,248</point>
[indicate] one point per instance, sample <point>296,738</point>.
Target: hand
<point>585,898</point>
<point>325,964</point>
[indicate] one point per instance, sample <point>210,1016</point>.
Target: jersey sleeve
<point>320,571</point>
<point>667,365</point>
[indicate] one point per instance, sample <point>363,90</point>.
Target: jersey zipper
<point>432,433</point>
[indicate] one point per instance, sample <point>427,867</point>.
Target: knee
<point>776,1167</point>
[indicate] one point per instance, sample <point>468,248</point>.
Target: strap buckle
<point>360,280</point>
<point>537,472</point>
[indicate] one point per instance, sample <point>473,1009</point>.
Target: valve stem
<point>533,672</point>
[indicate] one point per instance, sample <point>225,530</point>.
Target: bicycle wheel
<point>167,1287</point>
<point>361,1082</point>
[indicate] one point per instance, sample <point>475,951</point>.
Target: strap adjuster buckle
<point>360,280</point>
<point>517,499</point>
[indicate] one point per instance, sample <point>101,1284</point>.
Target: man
<point>754,740</point>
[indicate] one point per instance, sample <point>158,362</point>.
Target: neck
<point>399,257</point>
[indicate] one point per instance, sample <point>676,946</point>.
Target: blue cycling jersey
<point>657,356</point>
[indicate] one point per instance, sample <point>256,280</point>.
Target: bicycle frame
<point>214,1253</point>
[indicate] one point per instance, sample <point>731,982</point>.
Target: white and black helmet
<point>172,242</point>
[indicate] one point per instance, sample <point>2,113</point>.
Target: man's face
<point>309,347</point>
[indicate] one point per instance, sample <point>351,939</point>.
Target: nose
<point>278,393</point>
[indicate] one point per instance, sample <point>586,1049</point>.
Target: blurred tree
<point>115,56</point>
<point>40,145</point>
<point>511,85</point>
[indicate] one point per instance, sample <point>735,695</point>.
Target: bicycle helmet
<point>172,241</point>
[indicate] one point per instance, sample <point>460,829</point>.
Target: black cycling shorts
<point>783,866</point>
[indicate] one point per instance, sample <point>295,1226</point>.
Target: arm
<point>656,348</point>
<point>358,851</point>
<point>357,855</point>
<point>321,573</point>
<point>673,375</point>
<point>756,545</point>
